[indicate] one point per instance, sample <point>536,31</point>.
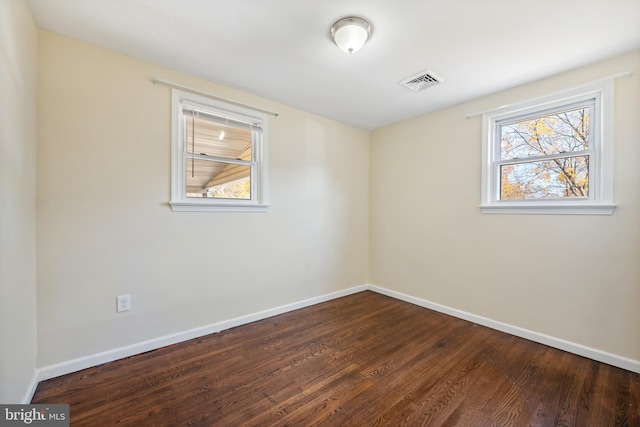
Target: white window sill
<point>549,208</point>
<point>207,207</point>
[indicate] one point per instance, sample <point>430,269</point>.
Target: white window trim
<point>600,201</point>
<point>179,202</point>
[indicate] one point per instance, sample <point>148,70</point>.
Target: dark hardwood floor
<point>362,360</point>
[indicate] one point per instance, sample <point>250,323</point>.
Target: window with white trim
<point>553,155</point>
<point>218,155</point>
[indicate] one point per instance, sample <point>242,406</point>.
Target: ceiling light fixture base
<point>351,33</point>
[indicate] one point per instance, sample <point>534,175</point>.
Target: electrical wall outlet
<point>123,303</point>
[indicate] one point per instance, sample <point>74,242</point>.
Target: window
<point>218,156</point>
<point>552,155</point>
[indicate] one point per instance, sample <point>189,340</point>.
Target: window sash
<point>497,178</point>
<point>498,124</point>
<point>553,189</point>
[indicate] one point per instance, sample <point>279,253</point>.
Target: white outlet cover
<point>123,303</point>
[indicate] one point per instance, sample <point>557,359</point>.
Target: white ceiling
<point>281,49</point>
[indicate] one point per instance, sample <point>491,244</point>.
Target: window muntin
<point>218,155</point>
<point>551,155</point>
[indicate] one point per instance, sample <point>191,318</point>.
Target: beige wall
<point>105,228</point>
<point>18,58</point>
<point>575,278</point>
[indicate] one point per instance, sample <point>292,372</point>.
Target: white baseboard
<point>580,350</point>
<point>74,365</point>
<point>80,363</point>
<point>32,388</point>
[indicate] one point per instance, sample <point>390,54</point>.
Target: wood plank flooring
<point>361,360</point>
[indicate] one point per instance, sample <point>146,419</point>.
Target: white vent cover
<point>421,81</point>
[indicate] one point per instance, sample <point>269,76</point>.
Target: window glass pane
<point>217,139</point>
<point>559,132</point>
<point>550,179</point>
<point>217,180</point>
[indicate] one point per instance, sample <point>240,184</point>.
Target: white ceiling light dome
<point>351,33</point>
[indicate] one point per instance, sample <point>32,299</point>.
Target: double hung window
<point>552,155</point>
<point>218,155</point>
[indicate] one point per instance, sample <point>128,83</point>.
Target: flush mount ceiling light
<point>350,34</point>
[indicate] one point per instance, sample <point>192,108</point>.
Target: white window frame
<point>179,156</point>
<point>600,200</point>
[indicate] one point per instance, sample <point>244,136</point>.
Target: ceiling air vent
<point>421,81</point>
